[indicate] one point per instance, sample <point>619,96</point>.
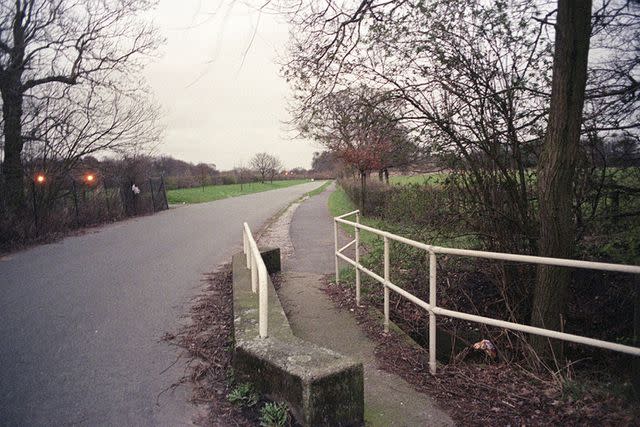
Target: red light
<point>40,178</point>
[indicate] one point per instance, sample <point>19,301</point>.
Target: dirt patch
<point>488,393</point>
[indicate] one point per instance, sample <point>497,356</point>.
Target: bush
<point>227,179</point>
<point>418,205</point>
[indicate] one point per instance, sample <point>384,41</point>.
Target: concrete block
<point>321,386</point>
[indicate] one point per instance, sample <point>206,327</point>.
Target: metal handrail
<point>258,278</point>
<point>432,307</point>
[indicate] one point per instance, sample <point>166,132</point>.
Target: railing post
<point>386,280</point>
<point>432,315</point>
<point>247,248</point>
<point>335,240</point>
<point>357,233</point>
<point>263,300</point>
<point>254,273</point>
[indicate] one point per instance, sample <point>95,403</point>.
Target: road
<point>81,319</point>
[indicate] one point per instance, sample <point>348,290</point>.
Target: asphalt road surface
<point>81,319</point>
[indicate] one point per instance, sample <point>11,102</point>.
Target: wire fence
<point>57,204</point>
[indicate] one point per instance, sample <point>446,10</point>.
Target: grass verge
<point>217,192</point>
<point>319,190</point>
<point>339,203</point>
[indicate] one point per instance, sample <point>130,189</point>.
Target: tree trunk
<point>381,175</point>
<point>12,166</point>
<point>556,169</point>
<point>363,190</point>
<point>386,175</point>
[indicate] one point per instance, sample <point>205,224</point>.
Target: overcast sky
<point>218,109</point>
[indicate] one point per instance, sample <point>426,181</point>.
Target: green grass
<point>216,192</point>
<point>319,190</point>
<point>339,203</point>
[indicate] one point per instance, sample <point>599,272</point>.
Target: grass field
<point>216,192</point>
<point>434,178</point>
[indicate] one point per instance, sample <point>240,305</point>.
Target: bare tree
<point>276,168</point>
<point>242,175</point>
<point>359,127</point>
<point>475,77</point>
<point>266,165</point>
<point>468,75</point>
<point>52,50</point>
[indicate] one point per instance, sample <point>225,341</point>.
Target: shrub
<point>418,205</point>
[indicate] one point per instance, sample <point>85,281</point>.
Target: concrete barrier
<point>321,386</point>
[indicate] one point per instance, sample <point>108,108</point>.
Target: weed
<point>243,395</point>
<point>274,415</point>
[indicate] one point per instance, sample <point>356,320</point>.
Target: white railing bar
<point>357,211</point>
<point>494,322</point>
<point>531,259</point>
<point>346,246</point>
<point>259,281</point>
<point>391,286</point>
<point>539,331</point>
<point>245,247</point>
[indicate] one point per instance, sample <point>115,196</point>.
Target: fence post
<point>75,201</point>
<point>106,198</point>
<point>254,273</point>
<point>35,207</point>
<point>164,192</point>
<point>134,199</point>
<point>263,300</point>
<point>153,198</point>
<point>386,280</point>
<point>247,249</point>
<point>432,315</point>
<point>335,254</point>
<point>357,233</point>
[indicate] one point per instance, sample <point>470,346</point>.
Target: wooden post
<point>153,199</point>
<point>75,201</point>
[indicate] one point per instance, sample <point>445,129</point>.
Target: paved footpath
<point>389,400</point>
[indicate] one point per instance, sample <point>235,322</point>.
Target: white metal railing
<point>258,278</point>
<point>433,308</point>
